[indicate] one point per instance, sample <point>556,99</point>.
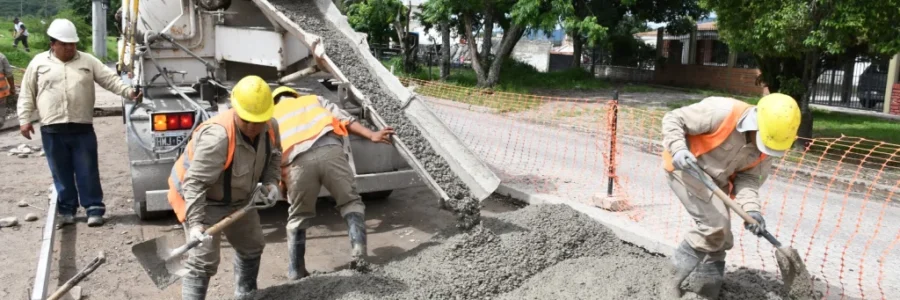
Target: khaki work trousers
<point>321,166</point>
<point>245,236</point>
<point>712,230</point>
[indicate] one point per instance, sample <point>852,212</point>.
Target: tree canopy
<point>792,39</point>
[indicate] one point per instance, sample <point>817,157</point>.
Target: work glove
<point>197,233</point>
<point>273,192</point>
<point>682,158</point>
<point>756,229</point>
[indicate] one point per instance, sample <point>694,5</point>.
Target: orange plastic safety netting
<point>833,201</point>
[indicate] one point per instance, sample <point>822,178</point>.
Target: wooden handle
<point>90,268</point>
<point>732,205</point>
<point>218,227</point>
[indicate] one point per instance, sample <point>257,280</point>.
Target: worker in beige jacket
<point>58,85</point>
<point>734,143</point>
<point>216,175</point>
<point>311,134</point>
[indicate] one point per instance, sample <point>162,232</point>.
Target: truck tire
<point>140,209</point>
<point>376,196</point>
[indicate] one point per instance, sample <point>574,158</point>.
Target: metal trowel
<point>162,257</point>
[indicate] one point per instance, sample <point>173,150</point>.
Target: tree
<point>84,10</point>
<point>383,21</point>
<point>791,39</point>
<point>434,15</point>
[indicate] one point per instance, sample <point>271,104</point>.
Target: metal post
<point>612,144</point>
<point>99,26</point>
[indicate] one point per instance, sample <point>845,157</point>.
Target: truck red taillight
<point>172,121</point>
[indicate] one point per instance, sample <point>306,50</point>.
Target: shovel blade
<point>155,257</point>
<point>798,283</point>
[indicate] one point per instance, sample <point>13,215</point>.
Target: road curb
<point>626,230</point>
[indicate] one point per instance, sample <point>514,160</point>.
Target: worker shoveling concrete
<point>537,252</point>
<point>797,280</point>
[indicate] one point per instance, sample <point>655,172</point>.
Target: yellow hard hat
<point>778,117</point>
<point>285,89</point>
<point>252,99</point>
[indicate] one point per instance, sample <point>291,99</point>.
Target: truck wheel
<point>140,209</point>
<point>376,196</point>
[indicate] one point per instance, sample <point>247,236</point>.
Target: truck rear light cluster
<point>172,121</point>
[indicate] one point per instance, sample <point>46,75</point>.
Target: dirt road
<point>407,219</point>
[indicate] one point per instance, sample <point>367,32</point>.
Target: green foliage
<point>84,11</point>
<point>375,17</point>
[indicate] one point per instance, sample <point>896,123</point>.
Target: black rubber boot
<point>245,273</point>
<point>710,276</point>
<point>194,287</point>
<point>356,224</point>
<point>684,260</point>
<point>296,255</point>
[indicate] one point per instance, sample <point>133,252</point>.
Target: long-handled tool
<point>62,290</point>
<point>162,257</point>
<point>797,281</point>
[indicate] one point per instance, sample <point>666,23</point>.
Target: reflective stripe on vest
<point>304,118</point>
<point>704,143</point>
<point>176,177</point>
<point>4,86</point>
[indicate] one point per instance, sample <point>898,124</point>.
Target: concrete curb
<point>626,230</point>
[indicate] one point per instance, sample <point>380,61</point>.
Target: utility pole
<point>99,25</point>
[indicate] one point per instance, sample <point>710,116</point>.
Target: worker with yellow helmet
<point>311,130</point>
<point>734,143</point>
<point>216,175</point>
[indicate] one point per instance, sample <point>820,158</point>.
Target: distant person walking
<point>20,34</point>
<point>59,86</point>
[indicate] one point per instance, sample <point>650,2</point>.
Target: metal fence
<point>858,84</point>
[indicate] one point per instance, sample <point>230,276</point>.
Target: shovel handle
<point>698,173</point>
<point>215,229</point>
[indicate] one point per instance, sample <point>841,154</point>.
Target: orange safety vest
<point>704,143</point>
<point>176,178</point>
<point>302,119</point>
<point>4,86</point>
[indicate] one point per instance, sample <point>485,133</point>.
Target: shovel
<point>797,281</point>
<point>162,257</point>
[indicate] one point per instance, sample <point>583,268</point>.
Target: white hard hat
<point>63,30</point>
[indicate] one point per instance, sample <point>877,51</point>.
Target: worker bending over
<point>311,133</point>
<point>223,162</point>
<point>733,142</point>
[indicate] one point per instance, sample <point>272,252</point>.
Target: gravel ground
<point>538,252</point>
<point>346,56</point>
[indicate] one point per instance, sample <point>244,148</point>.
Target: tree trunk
<point>488,30</point>
<point>847,84</point>
<point>577,49</point>
<point>808,81</point>
<point>480,73</point>
<point>445,50</point>
<point>510,39</point>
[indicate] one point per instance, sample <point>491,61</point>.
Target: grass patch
<point>515,77</point>
<point>38,42</point>
<point>639,88</point>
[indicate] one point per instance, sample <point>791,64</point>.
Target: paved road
<point>842,235</point>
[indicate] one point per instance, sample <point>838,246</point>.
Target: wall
<point>895,100</point>
<point>735,80</point>
<point>534,53</point>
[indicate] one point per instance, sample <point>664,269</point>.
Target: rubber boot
<point>296,254</point>
<point>356,224</point>
<point>684,260</point>
<point>710,276</point>
<point>245,273</point>
<point>194,287</point>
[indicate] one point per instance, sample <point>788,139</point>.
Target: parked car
<point>870,90</point>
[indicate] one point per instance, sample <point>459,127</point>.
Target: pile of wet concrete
<point>537,252</point>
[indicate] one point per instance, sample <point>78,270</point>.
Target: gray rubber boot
<point>684,260</point>
<point>710,276</point>
<point>245,273</point>
<point>194,287</point>
<point>356,224</point>
<point>296,254</point>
